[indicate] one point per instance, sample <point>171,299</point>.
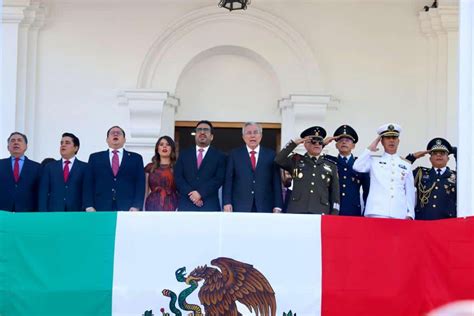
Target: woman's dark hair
<point>156,158</point>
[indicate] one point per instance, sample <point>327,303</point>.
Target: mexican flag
<point>227,263</point>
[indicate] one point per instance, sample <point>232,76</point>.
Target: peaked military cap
<point>346,131</point>
<point>389,130</point>
<point>315,132</point>
<point>439,144</point>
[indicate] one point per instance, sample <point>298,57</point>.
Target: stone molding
<point>21,22</point>
<point>151,115</point>
<point>256,18</point>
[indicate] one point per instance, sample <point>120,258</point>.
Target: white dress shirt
<point>203,153</point>
<point>111,155</point>
<point>392,191</point>
<point>71,162</point>
<point>256,150</point>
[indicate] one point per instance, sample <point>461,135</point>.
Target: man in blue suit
<point>19,177</point>
<point>199,173</point>
<point>252,181</point>
<point>350,181</point>
<point>61,185</point>
<point>115,178</point>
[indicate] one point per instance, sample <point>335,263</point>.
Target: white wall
<point>371,56</point>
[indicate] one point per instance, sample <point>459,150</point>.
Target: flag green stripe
<point>56,263</point>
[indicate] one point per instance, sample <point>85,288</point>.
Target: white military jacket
<point>392,190</point>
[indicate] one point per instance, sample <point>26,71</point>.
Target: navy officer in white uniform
<point>392,193</point>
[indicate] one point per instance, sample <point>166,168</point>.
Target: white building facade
<point>83,66</point>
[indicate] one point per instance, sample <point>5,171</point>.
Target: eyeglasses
<point>115,133</point>
<point>203,130</point>
<point>255,132</point>
<point>316,141</point>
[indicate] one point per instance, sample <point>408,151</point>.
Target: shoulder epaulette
<point>329,160</point>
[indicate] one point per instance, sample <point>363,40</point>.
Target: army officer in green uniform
<point>315,179</point>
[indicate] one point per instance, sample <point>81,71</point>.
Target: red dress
<point>163,195</point>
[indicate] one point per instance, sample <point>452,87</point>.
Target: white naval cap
<point>389,129</point>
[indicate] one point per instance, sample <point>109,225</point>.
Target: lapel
<point>245,156</point>
<point>58,169</point>
<point>125,159</point>
<point>261,156</point>
<point>10,168</point>
<point>73,170</point>
<point>193,157</point>
<point>106,159</point>
<point>24,170</point>
<point>204,160</point>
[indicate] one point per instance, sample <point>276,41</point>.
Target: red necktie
<point>66,170</point>
<point>115,163</point>
<point>199,158</point>
<point>16,170</point>
<point>253,160</point>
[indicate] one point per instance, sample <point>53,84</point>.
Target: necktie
<point>199,158</point>
<point>66,170</point>
<point>345,159</point>
<point>438,171</point>
<point>115,162</point>
<point>16,170</point>
<point>253,160</point>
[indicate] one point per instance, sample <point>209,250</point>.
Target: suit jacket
<point>350,183</point>
<point>55,195</point>
<point>206,180</point>
<point>106,192</point>
<point>243,185</point>
<point>21,196</point>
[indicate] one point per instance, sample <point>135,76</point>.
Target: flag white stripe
<point>150,247</point>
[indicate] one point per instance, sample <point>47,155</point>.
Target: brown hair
<point>156,158</point>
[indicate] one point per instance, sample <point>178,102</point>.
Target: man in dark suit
<point>62,181</point>
<point>252,180</point>
<point>350,181</point>
<point>199,173</point>
<point>19,177</point>
<point>115,178</point>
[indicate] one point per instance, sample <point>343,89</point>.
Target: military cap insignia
<point>438,142</point>
<point>391,127</point>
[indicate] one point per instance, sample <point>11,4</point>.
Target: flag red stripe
<point>395,267</point>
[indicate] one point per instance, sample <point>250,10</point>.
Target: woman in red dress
<point>161,194</point>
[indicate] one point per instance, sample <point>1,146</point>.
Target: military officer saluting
<point>350,181</point>
<point>315,179</point>
<point>392,191</point>
<point>436,186</point>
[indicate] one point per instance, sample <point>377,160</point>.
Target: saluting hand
<point>328,140</point>
<point>420,154</point>
<point>373,146</point>
<point>301,140</point>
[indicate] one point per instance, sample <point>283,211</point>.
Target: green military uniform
<point>315,182</point>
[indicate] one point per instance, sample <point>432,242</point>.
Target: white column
<point>440,26</point>
<point>21,21</point>
<point>466,111</point>
<point>152,114</point>
<point>299,112</point>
